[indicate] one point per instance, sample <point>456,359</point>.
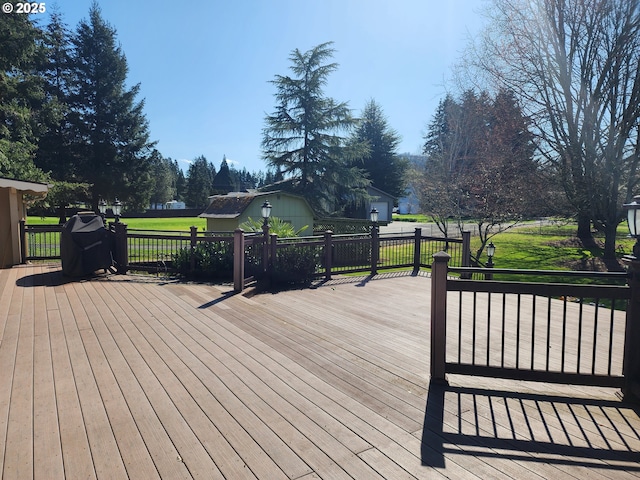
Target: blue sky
<point>205,67</point>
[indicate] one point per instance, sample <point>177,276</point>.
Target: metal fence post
<point>439,269</point>
<point>121,248</point>
<point>466,252</point>
<point>238,260</point>
<point>631,367</point>
<point>192,250</point>
<point>23,241</point>
<point>328,254</point>
<point>416,250</point>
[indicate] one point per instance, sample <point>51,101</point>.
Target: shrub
<point>212,260</point>
<point>295,265</point>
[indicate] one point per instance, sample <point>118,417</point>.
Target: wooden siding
<point>147,377</point>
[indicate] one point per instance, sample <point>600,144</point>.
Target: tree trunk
<point>584,231</point>
<point>609,256</point>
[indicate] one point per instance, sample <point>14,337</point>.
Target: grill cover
<point>85,245</point>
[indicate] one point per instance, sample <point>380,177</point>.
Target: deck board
<point>148,377</point>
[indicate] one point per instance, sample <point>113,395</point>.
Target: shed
<point>381,201</point>
<point>226,212</point>
<point>13,209</point>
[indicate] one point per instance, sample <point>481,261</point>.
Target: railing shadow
<point>529,427</point>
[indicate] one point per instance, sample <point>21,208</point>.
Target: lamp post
<point>375,243</point>
<point>631,367</point>
<point>102,208</point>
<point>266,213</point>
<point>633,221</point>
<point>117,209</point>
<point>491,251</point>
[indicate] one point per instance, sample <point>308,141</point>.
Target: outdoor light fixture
<point>633,221</point>
<point>117,209</point>
<point>374,215</point>
<point>491,251</point>
<point>266,211</point>
<point>102,208</point>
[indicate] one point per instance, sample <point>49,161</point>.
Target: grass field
<point>173,224</point>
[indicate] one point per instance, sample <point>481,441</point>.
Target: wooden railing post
<point>439,269</point>
<point>23,241</point>
<point>466,252</point>
<point>416,250</point>
<point>328,254</point>
<point>273,249</point>
<point>265,246</point>
<point>375,249</point>
<point>238,260</point>
<point>121,248</point>
<point>192,249</point>
<point>631,367</point>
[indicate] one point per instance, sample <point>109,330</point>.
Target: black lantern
<point>491,251</point>
<point>266,211</point>
<point>117,209</point>
<point>374,215</point>
<point>633,221</point>
<point>102,208</point>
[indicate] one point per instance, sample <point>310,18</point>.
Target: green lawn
<point>173,224</point>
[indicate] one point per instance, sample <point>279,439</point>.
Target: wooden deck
<point>142,377</point>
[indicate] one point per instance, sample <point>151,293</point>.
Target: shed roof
<point>233,204</point>
<point>32,188</point>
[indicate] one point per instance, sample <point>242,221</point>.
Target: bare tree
<point>574,64</point>
<point>479,164</point>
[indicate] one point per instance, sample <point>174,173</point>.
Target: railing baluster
<point>580,336</point>
<point>473,336</point>
<point>488,326</point>
<point>595,337</point>
<point>611,324</point>
<point>564,334</point>
<point>460,328</point>
<point>518,333</point>
<point>547,352</point>
<point>504,315</point>
<point>533,332</point>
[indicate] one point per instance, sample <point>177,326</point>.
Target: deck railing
<point>156,250</point>
<point>552,332</point>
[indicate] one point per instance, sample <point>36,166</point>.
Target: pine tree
<point>385,168</point>
<point>112,131</point>
<point>23,109</point>
<point>303,138</point>
<point>223,181</point>
<point>55,149</point>
<point>199,182</point>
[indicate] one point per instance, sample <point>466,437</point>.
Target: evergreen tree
<point>302,138</point>
<point>55,150</point>
<point>385,168</point>
<point>163,179</point>
<point>223,181</point>
<point>23,107</point>
<point>112,132</point>
<point>199,182</point>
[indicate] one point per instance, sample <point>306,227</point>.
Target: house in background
<point>409,203</point>
<point>226,212</point>
<point>13,208</point>
<point>381,201</point>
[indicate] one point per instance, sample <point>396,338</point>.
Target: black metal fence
<point>552,332</point>
<point>157,250</point>
<point>40,242</point>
